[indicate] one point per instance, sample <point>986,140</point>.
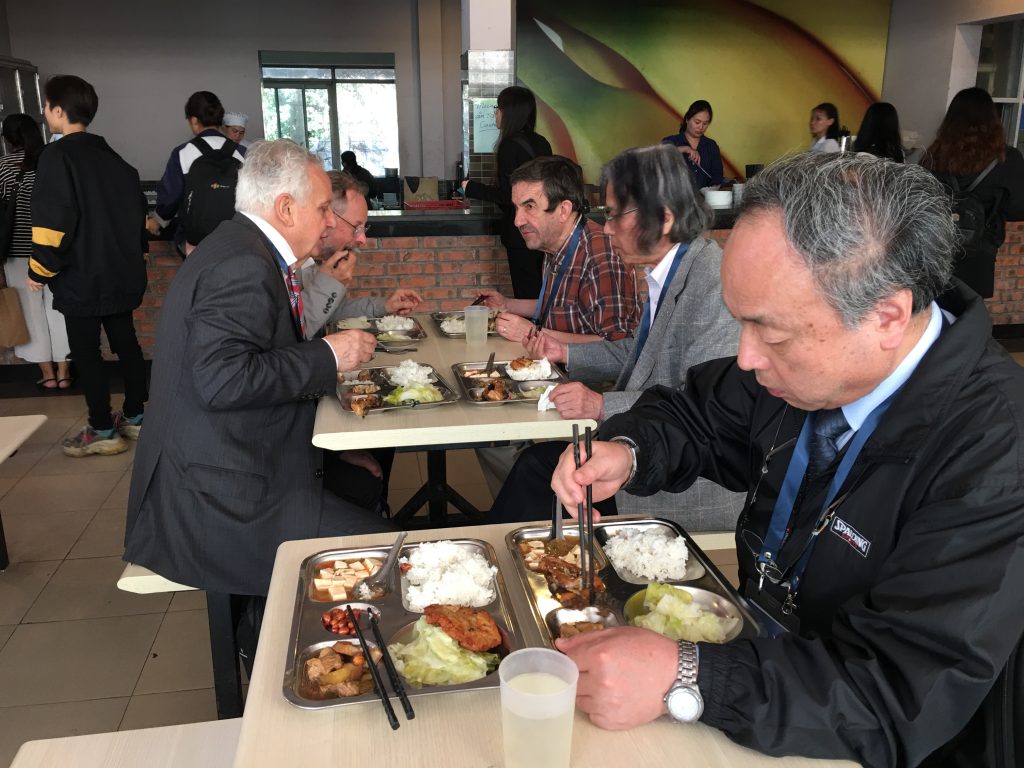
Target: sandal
<point>65,383</point>
<point>45,383</point>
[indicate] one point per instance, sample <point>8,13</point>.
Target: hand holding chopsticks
<point>585,518</point>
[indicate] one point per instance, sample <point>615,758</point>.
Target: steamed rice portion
<point>446,573</point>
<point>651,554</point>
<point>540,369</point>
<point>395,323</point>
<point>409,373</point>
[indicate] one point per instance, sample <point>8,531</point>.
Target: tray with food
<point>444,615</point>
<point>452,325</point>
<point>390,330</point>
<point>522,380</point>
<point>649,574</point>
<point>406,385</point>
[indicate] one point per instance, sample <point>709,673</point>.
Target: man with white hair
<point>225,470</point>
<point>234,127</point>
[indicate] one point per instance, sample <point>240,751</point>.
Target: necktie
<point>295,299</point>
<point>827,428</point>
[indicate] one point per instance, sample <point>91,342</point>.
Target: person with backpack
<point>985,179</point>
<point>198,185</point>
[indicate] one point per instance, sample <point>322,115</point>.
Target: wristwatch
<point>683,700</point>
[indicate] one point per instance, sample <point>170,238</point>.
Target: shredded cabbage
<point>672,613</point>
<point>432,657</point>
<point>421,393</point>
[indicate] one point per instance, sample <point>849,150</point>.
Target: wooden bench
<point>227,681</point>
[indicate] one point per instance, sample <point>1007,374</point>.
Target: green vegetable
<point>672,613</point>
<point>432,657</point>
<point>421,393</point>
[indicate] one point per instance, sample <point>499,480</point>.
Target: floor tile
<point>477,494</point>
<point>103,659</point>
<point>87,589</point>
<point>180,658</point>
<point>463,466</point>
<point>5,632</point>
<point>57,407</point>
<point>175,708</point>
<point>56,462</point>
<point>405,473</point>
<point>50,721</point>
<point>190,600</point>
<point>6,483</point>
<point>44,535</point>
<point>23,460</point>
<point>53,430</point>
<point>20,585</point>
<point>103,537</point>
<point>63,492</point>
<point>118,497</point>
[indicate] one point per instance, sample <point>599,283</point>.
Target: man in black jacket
<point>870,408</point>
<point>88,241</point>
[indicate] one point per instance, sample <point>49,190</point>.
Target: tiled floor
<point>77,655</point>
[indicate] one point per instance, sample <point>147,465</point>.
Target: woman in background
<point>48,337</point>
<point>701,153</point>
<point>879,132</point>
<point>969,140</point>
<point>824,128</point>
<point>518,143</point>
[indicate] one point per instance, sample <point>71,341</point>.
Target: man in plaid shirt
<point>588,294</point>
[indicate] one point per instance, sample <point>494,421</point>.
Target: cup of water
<point>538,702</point>
<point>476,325</point>
<point>737,194</point>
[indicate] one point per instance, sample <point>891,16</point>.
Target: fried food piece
<point>574,628</point>
<point>365,389</point>
<point>520,362</point>
<point>472,628</point>
<point>495,391</point>
<point>362,403</point>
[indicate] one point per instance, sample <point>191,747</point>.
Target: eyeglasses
<point>610,218</point>
<point>355,230</point>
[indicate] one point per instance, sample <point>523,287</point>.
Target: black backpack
<point>969,214</point>
<point>209,190</point>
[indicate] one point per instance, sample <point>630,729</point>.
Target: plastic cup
<point>538,701</point>
<point>476,325</point>
<point>737,194</point>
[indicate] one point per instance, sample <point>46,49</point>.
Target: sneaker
<point>88,441</point>
<point>128,426</point>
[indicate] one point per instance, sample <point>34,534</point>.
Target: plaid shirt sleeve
<point>607,293</point>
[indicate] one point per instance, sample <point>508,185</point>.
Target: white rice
<point>444,572</point>
<point>541,369</point>
<point>651,554</point>
<point>395,323</point>
<point>454,324</point>
<point>354,323</point>
<point>409,373</point>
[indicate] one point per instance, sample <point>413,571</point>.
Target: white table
<point>14,430</point>
<point>461,423</point>
<point>451,729</point>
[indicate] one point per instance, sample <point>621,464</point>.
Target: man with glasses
<point>324,286</point>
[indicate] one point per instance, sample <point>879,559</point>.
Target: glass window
<point>368,124</point>
<point>355,73</point>
<point>1000,65</point>
<point>297,73</point>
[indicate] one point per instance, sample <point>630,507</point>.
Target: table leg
<point>5,560</point>
<point>436,494</point>
<point>227,681</point>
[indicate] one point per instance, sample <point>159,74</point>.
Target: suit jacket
<point>225,470</point>
<point>324,299</point>
<point>691,327</point>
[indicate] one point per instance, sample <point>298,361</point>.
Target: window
<point>1001,73</point>
<point>330,109</point>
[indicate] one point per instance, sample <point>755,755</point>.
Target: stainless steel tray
<point>523,391</point>
<point>307,635</point>
<point>708,586</point>
<point>379,376</point>
<point>438,317</point>
<point>415,334</point>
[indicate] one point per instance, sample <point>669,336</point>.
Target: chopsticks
<point>581,517</point>
<point>590,523</point>
<point>479,300</point>
<point>556,518</point>
<point>374,672</point>
<point>396,680</point>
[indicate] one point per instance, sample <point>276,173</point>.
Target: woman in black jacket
<point>518,143</point>
<point>879,132</point>
<point>969,139</point>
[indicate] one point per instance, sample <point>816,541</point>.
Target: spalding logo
<point>851,536</point>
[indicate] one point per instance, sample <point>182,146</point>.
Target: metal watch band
<point>632,452</point>
<point>687,671</point>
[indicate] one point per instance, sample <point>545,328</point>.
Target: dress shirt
<point>656,279</point>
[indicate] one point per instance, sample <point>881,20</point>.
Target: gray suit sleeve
<point>321,296</point>
<point>598,360</point>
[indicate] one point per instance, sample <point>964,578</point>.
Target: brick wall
<point>450,271</point>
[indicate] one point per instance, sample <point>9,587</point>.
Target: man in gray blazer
<point>655,220</point>
<point>225,470</point>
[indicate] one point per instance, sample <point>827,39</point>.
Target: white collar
<point>275,237</point>
<point>660,270</point>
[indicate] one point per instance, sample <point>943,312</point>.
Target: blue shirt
<point>710,171</point>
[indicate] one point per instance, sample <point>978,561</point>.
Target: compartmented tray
<point>440,317</point>
<point>623,591</point>
<point>385,339</point>
<point>473,387</point>
<point>351,387</point>
<point>308,634</point>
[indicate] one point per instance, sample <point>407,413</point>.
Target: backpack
<point>209,190</point>
<point>969,214</point>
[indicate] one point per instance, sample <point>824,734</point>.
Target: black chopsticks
<point>585,518</point>
<point>374,672</point>
<point>479,300</point>
<point>590,523</point>
<point>490,364</point>
<point>396,680</point>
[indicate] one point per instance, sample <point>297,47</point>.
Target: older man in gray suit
<point>655,221</point>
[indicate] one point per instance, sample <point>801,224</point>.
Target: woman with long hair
<point>702,155</point>
<point>969,141</point>
<point>879,132</point>
<point>824,127</point>
<point>48,336</point>
<point>518,142</point>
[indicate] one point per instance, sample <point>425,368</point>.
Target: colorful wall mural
<point>609,76</point>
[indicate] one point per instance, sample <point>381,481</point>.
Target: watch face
<point>684,704</point>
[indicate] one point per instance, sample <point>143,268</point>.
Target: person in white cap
<point>234,127</point>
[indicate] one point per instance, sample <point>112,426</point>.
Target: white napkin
<point>544,404</point>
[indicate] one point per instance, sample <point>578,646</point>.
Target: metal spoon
<point>490,365</point>
<point>376,582</point>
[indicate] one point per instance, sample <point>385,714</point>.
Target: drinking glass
<point>476,325</point>
<point>538,701</point>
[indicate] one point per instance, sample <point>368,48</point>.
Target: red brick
<point>419,255</point>
<point>477,240</point>
<point>395,243</point>
<point>438,293</point>
<point>480,266</point>
<point>378,282</point>
<point>456,255</point>
<point>442,242</point>
<point>367,271</point>
<point>405,269</point>
<point>419,282</point>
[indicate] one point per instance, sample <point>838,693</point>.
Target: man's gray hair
<point>654,180</point>
<point>341,183</point>
<point>271,169</point>
<point>866,227</point>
